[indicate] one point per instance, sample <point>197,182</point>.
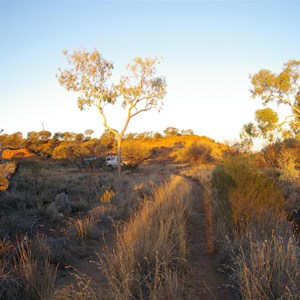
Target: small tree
<point>187,132</point>
<point>58,136</point>
<point>171,131</point>
<point>249,131</point>
<point>288,169</point>
<point>72,151</point>
<point>44,135</point>
<point>140,91</point>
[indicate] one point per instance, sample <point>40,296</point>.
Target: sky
<point>208,49</point>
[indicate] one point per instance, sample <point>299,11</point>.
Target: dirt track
<point>210,283</point>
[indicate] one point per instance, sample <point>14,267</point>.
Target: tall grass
<point>8,283</point>
<point>36,274</point>
<point>149,258</point>
<point>268,269</point>
<point>81,228</point>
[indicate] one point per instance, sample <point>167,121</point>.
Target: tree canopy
<point>275,91</point>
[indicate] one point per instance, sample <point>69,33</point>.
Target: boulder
<point>61,203</point>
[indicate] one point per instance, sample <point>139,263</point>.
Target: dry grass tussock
<point>149,259</point>
<point>83,289</point>
<point>81,228</point>
<point>26,272</point>
<point>268,269</point>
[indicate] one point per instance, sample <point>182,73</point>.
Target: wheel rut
<point>210,284</point>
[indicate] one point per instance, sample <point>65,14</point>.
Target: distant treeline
<point>62,145</point>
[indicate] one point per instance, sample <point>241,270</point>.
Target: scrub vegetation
<point>187,218</point>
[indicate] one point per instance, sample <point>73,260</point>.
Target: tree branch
<point>285,120</point>
<point>141,110</point>
<point>114,131</point>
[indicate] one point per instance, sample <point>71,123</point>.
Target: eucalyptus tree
<point>90,75</point>
<point>277,90</point>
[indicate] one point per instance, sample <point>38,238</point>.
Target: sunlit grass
<point>150,253</point>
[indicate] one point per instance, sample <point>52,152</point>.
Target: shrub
<point>135,154</point>
<point>195,154</point>
<point>287,167</point>
<point>3,183</point>
<point>269,155</point>
<point>6,170</point>
<point>245,194</point>
<point>255,241</point>
<point>82,228</point>
<point>107,196</point>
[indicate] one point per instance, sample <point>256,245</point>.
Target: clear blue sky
<point>208,50</point>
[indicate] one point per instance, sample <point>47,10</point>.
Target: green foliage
<point>246,194</point>
<point>248,133</point>
<point>281,89</point>
<point>267,120</point>
<point>277,87</point>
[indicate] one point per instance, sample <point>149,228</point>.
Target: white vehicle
<point>111,161</point>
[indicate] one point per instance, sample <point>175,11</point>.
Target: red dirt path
<point>210,283</point>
